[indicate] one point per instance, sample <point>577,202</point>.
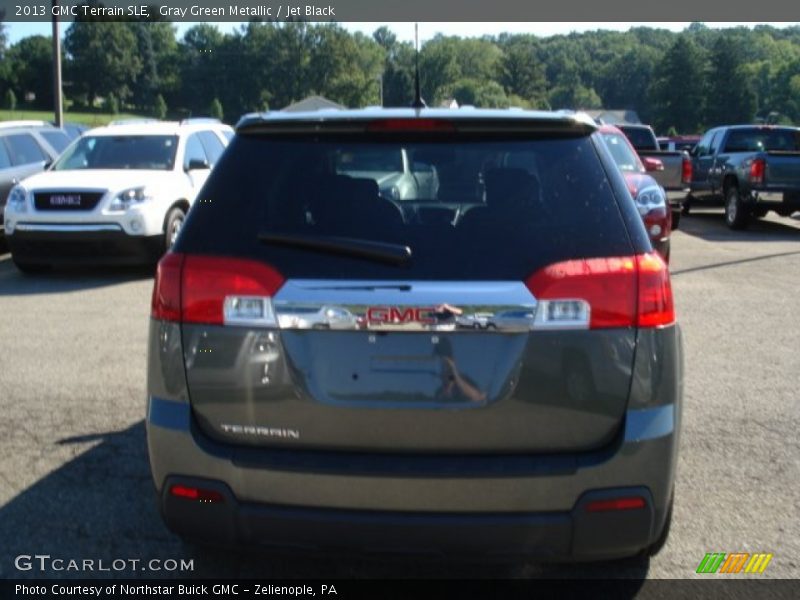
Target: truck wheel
<point>686,206</point>
<point>172,227</point>
<point>736,214</point>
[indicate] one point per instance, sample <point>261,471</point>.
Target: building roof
<point>615,116</point>
<point>312,103</point>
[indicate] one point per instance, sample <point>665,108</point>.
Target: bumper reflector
<point>616,504</point>
<point>193,493</point>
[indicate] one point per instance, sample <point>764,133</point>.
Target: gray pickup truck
<point>671,169</point>
<point>749,169</point>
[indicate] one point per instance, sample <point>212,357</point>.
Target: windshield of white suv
<point>151,152</point>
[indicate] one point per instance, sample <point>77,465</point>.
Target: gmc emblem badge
<point>395,314</point>
<point>65,200</point>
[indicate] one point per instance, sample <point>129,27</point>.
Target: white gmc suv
<point>118,194</point>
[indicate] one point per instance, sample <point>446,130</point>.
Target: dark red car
<point>650,197</point>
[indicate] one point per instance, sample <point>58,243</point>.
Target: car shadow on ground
<point>101,505</point>
<point>710,226</point>
<point>14,282</point>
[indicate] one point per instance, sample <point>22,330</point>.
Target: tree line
<point>683,82</point>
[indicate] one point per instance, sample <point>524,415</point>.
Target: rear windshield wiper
<point>395,254</point>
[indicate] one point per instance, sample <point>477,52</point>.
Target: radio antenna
<point>418,101</point>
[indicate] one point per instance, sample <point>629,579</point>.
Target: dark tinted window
<point>120,152</point>
<point>5,161</point>
<point>213,146</point>
<point>760,139</point>
<point>472,209</point>
<point>641,137</point>
<point>194,151</point>
<point>24,150</point>
<point>57,139</point>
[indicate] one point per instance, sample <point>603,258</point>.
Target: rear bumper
<point>418,502</point>
<point>73,246</point>
<point>776,200</point>
<point>576,534</point>
<point>490,506</point>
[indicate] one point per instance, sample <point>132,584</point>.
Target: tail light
<point>215,290</point>
<point>686,171</point>
<point>757,169</point>
<point>600,293</point>
<point>629,503</point>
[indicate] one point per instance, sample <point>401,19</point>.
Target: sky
<point>405,31</point>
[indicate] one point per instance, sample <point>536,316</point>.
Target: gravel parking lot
<point>74,479</point>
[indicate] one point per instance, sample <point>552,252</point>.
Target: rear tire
<point>172,227</point>
<point>736,213</point>
<point>686,206</point>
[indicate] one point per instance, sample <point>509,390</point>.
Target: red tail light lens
<point>198,494</point>
<point>608,285</point>
<point>166,304</point>
<point>686,171</point>
<point>208,280</point>
<point>656,307</point>
<point>410,125</point>
<point>194,289</point>
<point>757,169</point>
<point>631,503</point>
<point>620,291</point>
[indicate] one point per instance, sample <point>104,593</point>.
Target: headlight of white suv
<point>18,199</point>
<point>127,198</point>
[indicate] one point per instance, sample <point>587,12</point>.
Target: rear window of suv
<point>468,209</point>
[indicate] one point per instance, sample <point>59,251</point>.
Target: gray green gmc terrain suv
<point>315,380</point>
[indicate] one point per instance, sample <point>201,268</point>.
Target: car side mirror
<point>197,164</point>
<point>652,164</point>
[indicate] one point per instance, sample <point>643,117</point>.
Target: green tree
<point>146,86</point>
<point>111,104</point>
<point>522,74</point>
<point>625,80</point>
<point>203,74</point>
<point>31,65</point>
<point>101,60</point>
<point>398,77</point>
<point>678,93</point>
<point>731,98</point>
<point>10,100</point>
<point>160,107</point>
<point>483,94</point>
<point>215,109</point>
